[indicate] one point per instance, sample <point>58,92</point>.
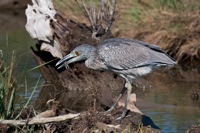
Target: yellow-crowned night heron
<point>127,57</point>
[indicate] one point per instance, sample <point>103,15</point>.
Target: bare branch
<point>103,19</point>
<point>41,120</point>
<point>89,15</point>
<point>111,15</point>
<point>93,14</point>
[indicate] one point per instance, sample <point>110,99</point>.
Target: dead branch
<point>89,15</point>
<point>107,128</point>
<point>112,11</point>
<point>40,120</point>
<point>104,17</point>
<point>39,15</point>
<point>131,104</point>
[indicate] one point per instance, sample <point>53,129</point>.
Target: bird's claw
<point>119,119</point>
<point>63,65</point>
<point>122,116</point>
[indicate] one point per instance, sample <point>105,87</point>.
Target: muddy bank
<point>183,45</point>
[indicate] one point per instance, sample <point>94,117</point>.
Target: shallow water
<point>168,101</point>
<point>170,106</point>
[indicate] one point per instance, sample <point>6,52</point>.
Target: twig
<point>104,16</point>
<point>85,130</point>
<point>89,15</point>
<point>93,14</point>
<point>112,16</point>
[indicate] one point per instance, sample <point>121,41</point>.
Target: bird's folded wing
<point>123,55</point>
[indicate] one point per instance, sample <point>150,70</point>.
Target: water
<point>168,103</point>
<point>13,37</point>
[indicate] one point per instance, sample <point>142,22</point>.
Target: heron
<point>128,58</point>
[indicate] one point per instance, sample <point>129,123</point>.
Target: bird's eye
<point>77,53</point>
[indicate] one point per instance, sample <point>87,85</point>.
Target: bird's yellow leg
<point>129,89</point>
<point>118,98</point>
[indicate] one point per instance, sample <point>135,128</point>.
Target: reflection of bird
<point>126,57</point>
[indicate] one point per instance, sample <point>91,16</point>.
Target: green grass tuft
<point>7,89</point>
<point>136,14</point>
<point>176,5</point>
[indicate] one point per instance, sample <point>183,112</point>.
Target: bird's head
<point>80,53</point>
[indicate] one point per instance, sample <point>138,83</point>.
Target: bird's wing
<point>122,54</point>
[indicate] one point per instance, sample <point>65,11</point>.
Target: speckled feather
<point>122,54</point>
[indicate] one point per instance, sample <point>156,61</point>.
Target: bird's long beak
<point>70,58</point>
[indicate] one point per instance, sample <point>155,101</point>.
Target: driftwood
<point>39,120</point>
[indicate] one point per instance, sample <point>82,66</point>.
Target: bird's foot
<point>122,116</point>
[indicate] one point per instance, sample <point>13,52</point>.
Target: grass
<point>140,129</point>
<point>136,14</point>
<point>8,88</point>
<point>133,8</point>
<point>176,5</point>
<point>76,12</point>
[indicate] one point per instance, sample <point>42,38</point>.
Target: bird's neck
<point>91,57</point>
<point>93,61</point>
<point>90,52</point>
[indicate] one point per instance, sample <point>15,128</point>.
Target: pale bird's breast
<point>135,72</point>
<point>142,70</point>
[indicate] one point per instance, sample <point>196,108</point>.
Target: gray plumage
<point>127,57</point>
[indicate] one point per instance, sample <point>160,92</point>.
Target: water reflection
<point>169,102</point>
<point>174,120</point>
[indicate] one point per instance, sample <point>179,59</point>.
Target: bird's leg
<point>129,89</point>
<point>118,98</point>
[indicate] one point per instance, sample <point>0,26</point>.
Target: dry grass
<point>180,37</point>
<point>176,28</point>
